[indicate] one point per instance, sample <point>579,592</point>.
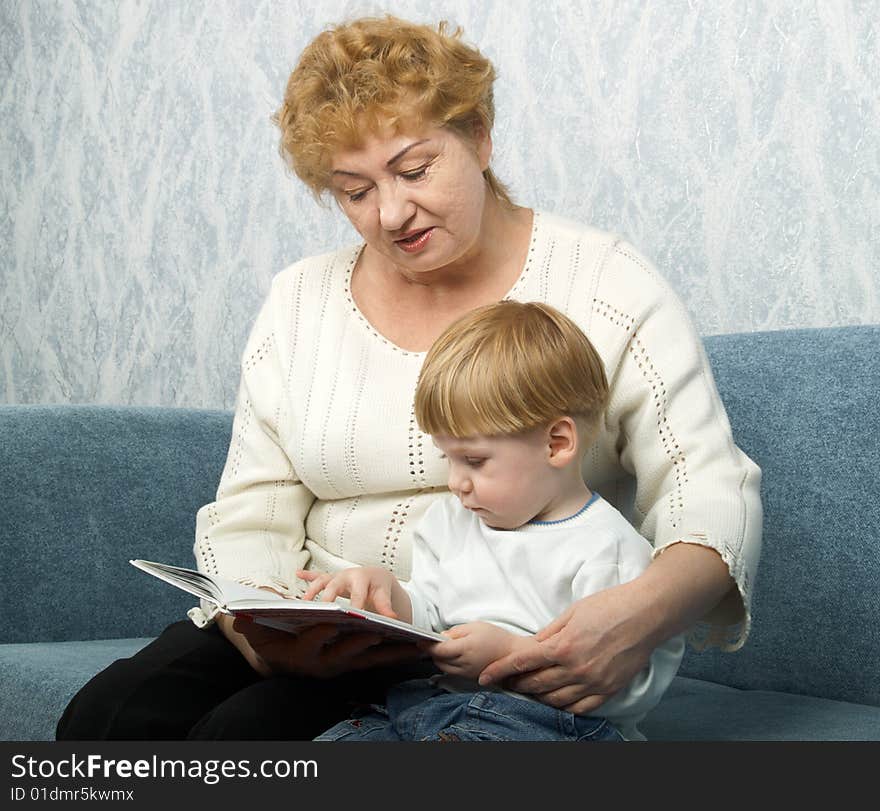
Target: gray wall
<point>145,208</point>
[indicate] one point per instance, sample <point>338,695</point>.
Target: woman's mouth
<point>414,241</point>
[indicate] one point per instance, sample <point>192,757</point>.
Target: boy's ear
<point>562,438</point>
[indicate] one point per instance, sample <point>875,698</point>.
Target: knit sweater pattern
<point>327,467</point>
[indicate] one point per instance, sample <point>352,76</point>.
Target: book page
<point>284,613</point>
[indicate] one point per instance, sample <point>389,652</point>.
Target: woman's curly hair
<point>371,73</point>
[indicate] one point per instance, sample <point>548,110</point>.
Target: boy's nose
<point>459,484</point>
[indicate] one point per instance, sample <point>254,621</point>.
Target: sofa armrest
<point>86,488</point>
<point>802,404</point>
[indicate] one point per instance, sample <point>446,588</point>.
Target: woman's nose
<point>395,208</point>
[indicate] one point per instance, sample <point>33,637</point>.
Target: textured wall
<point>145,209</point>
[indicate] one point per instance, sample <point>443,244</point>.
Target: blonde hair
<point>374,72</point>
<point>509,367</point>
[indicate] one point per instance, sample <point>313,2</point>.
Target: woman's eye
<point>354,196</point>
<point>415,174</point>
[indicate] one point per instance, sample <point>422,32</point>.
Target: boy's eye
<point>474,461</point>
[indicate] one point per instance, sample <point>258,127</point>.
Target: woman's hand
<point>584,656</point>
<point>473,645</point>
<point>319,651</point>
<point>602,641</point>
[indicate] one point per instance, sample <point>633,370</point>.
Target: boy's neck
<point>570,499</point>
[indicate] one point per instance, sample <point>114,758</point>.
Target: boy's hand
<point>320,651</point>
<point>472,646</point>
<point>369,587</point>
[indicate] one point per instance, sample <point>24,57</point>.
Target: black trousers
<point>191,683</point>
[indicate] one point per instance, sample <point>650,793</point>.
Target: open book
<point>287,614</point>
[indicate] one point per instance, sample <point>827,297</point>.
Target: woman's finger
<point>348,646</point>
<point>555,626</point>
<point>546,680</point>
<point>358,651</point>
<point>388,653</point>
<point>586,705</point>
<point>516,664</point>
<point>564,697</point>
<point>317,636</point>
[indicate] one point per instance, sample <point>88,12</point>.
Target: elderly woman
<point>327,467</point>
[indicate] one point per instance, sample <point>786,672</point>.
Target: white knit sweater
<point>327,467</point>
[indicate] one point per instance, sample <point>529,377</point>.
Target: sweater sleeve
<point>693,484</point>
<point>254,531</point>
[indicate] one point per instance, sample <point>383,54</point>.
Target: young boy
<point>513,395</point>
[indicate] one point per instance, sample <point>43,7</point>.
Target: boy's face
<point>506,480</point>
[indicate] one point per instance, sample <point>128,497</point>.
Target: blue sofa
<point>85,488</point>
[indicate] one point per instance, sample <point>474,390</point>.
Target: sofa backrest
<point>86,488</point>
<point>803,405</point>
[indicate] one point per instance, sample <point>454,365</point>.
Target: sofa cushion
<point>38,680</point>
<point>694,710</point>
<point>802,404</point>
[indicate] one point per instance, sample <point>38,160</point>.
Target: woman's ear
<point>563,442</point>
<point>483,144</point>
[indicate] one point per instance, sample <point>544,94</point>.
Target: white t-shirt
<point>523,579</point>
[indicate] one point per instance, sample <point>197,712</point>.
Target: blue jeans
<point>418,710</point>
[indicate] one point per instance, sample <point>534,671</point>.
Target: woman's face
<point>416,197</point>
